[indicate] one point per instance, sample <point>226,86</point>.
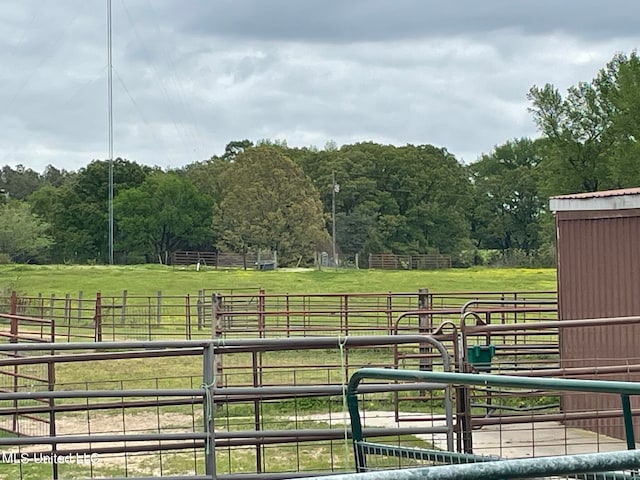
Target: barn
<point>598,259</point>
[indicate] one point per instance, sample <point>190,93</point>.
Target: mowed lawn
<point>148,279</point>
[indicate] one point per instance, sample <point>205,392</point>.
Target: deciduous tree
<point>268,203</point>
<point>23,236</point>
<point>164,214</point>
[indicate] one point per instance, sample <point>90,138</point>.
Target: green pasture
<point>320,367</point>
<point>148,279</point>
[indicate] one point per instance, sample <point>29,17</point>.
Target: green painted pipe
<point>560,384</point>
<point>506,469</point>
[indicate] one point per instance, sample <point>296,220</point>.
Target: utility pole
<point>335,188</point>
<point>110,108</point>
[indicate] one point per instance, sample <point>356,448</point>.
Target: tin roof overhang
<point>605,200</point>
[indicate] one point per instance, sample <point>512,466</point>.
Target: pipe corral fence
<point>257,389</point>
<point>245,313</point>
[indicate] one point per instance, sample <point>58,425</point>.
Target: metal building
<point>598,258</point>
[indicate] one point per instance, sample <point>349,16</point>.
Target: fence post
<point>345,315</point>
<point>187,303</point>
<point>97,319</point>
<point>424,327</point>
<point>390,324</point>
<point>52,307</point>
<point>209,359</point>
<point>13,309</point>
<point>217,333</point>
<point>200,309</point>
<point>79,306</point>
<point>159,307</point>
<point>123,310</point>
<point>261,310</point>
<point>67,314</point>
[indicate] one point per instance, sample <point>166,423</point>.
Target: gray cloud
<point>191,76</point>
<point>337,21</point>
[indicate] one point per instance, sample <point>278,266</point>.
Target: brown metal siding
<point>599,276</point>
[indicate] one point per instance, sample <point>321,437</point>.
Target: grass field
<point>175,372</point>
<point>148,279</point>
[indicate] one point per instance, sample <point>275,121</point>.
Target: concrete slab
<point>525,440</point>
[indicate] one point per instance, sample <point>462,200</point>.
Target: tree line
<point>407,199</point>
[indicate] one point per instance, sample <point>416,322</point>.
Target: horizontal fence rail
<point>247,313</point>
<point>279,396</point>
<point>195,420</point>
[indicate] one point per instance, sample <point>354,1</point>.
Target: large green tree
<point>624,96</point>
<point>507,207</point>
<point>590,135</point>
<point>23,236</point>
<point>18,183</point>
<point>164,214</point>
<point>78,210</point>
<point>268,203</point>
<point>406,200</point>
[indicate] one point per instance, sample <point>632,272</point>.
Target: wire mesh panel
<point>379,456</point>
<point>16,416</point>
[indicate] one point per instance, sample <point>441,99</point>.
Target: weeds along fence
<point>250,313</point>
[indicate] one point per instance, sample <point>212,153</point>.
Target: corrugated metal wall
<point>599,276</point>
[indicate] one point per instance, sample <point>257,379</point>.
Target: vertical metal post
<point>97,319</point>
<point>208,408</point>
<point>41,304</point>
<point>52,409</point>
<point>13,338</point>
<point>287,307</point>
<point>79,307</point>
<point>390,324</point>
<point>123,310</point>
<point>217,332</point>
<point>356,429</point>
<point>110,108</point>
<point>261,313</point>
<point>13,310</point>
<point>424,328</point>
<point>67,313</point>
<point>52,305</point>
<point>345,313</point>
<point>200,309</point>
<point>334,188</point>
<point>256,409</point>
<point>187,316</point>
<point>159,307</point>
<point>628,421</point>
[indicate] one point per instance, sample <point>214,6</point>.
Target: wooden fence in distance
<point>214,259</point>
<point>391,261</point>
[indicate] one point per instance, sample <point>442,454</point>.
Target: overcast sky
<point>191,75</point>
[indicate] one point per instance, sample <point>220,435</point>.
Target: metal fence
<point>108,419</point>
<point>249,313</point>
<point>365,449</point>
<point>287,378</point>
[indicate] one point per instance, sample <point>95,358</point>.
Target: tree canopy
<point>406,199</point>
<point>23,236</point>
<point>268,203</point>
<point>164,214</point>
